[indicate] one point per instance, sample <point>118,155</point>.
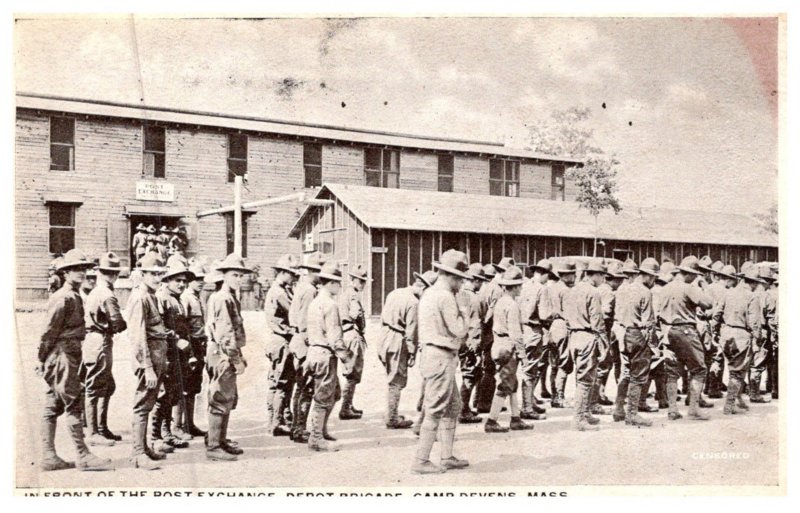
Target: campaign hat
<point>233,262</point>
<point>511,277</point>
<point>75,260</point>
<point>454,262</point>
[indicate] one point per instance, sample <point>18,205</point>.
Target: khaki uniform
<point>679,314</point>
<point>173,386</point>
<point>761,343</point>
<point>282,371</point>
<point>507,347</point>
<point>398,338</point>
<point>354,323</point>
<point>226,329</point>
<point>326,343</point>
<point>489,294</point>
<point>103,321</point>
<point>739,318</point>
<point>139,244</point>
<point>531,302</point>
<point>714,353</point>
<point>470,355</point>
<point>583,313</point>
<point>637,319</point>
<point>559,336</point>
<point>196,318</point>
<point>304,294</point>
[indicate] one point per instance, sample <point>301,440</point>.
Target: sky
<point>688,106</point>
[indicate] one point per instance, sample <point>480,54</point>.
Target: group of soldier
<point>651,323</point>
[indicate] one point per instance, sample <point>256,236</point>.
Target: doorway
<point>157,221</point>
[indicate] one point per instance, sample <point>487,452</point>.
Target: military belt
<point>395,329</point>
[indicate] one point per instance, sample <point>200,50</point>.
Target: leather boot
<point>159,445</point>
<point>730,398</point>
<point>214,451</point>
<point>278,426</point>
<point>226,444</point>
<point>141,458</point>
<point>696,386</point>
<point>581,422</point>
<point>491,426</point>
<point>633,418</point>
<point>167,435</point>
<point>517,425</point>
<point>95,438</point>
<point>672,400</point>
<point>178,416</point>
<point>102,413</point>
<point>602,398</point>
<point>527,396</point>
<point>755,389</point>
<point>316,440</point>
<point>619,401</point>
<point>86,460</point>
<point>346,409</point>
<point>467,416</point>
<point>192,427</point>
<point>299,434</point>
<point>50,460</point>
<point>740,402</point>
<point>447,435</point>
<point>393,420</point>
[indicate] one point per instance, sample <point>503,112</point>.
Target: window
<point>312,163</point>
<point>446,173</point>
<point>62,227</point>
<point>557,183</point>
<point>504,177</point>
<point>154,151</point>
<point>382,168</point>
<point>62,144</point>
<point>237,156</point>
<point>229,234</point>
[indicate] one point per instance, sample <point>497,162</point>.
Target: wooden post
<point>237,215</point>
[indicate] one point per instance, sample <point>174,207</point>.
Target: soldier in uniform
<point>658,373</point>
<point>397,349</point>
<point>139,242</point>
<point>147,336</point>
<point>176,244</point>
<point>470,354</point>
<point>608,292</point>
<point>487,295</point>
<point>442,331</point>
<point>721,280</point>
<point>353,325</point>
<point>772,325</point>
<point>326,348</point>
<point>551,361</point>
<point>637,339</point>
<point>54,278</point>
<point>305,291</point>
<point>59,356</point>
<point>88,284</point>
<point>737,316</point>
<point>680,301</point>
<point>559,332</point>
<point>761,344</point>
<point>282,370</point>
<point>162,242</point>
<point>507,349</point>
<point>196,317</point>
<point>103,321</point>
<point>583,314</point>
<point>534,357</point>
<point>224,357</point>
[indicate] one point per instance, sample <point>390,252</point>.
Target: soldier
<point>305,292</point>
<point>761,343</point>
<point>139,242</point>
<point>608,292</point>
<point>162,242</point>
<point>54,278</point>
<point>59,357</point>
<point>487,295</point>
<point>772,324</point>
<point>353,325</point>
<point>171,401</point>
<point>583,313</point>
<point>534,357</point>
<point>635,316</point>
<point>704,328</point>
<point>176,243</point>
<point>147,336</point>
<point>442,330</point>
<point>103,321</point>
<point>470,354</point>
<point>658,372</point>
<point>559,333</point>
<point>282,370</point>
<point>224,357</point>
<point>737,317</point>
<point>551,362</point>
<point>722,278</point>
<point>326,348</point>
<point>397,349</point>
<point>680,301</point>
<point>88,284</point>
<point>196,317</point>
<point>507,348</point>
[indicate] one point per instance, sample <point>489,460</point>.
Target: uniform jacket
<point>304,293</point>
<point>195,314</point>
<point>739,308</point>
<point>634,306</point>
<point>276,308</point>
<point>583,308</point>
<point>226,326</point>
<point>146,330</point>
<point>469,301</point>
<point>531,301</point>
<point>680,302</point>
<point>173,313</point>
<point>102,311</point>
<point>489,294</point>
<point>400,314</point>
<point>65,319</point>
<point>325,326</point>
<point>507,322</point>
<point>608,301</point>
<point>441,323</point>
<point>351,312</point>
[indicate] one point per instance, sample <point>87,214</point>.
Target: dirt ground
<point>737,451</point>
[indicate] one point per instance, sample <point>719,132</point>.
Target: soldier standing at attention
<point>88,284</point>
<point>282,370</point>
<point>147,336</point>
<point>506,350</point>
<point>720,283</point>
<point>304,292</point>
<point>397,349</point>
<point>470,354</point>
<point>103,321</point>
<point>442,330</point>
<point>59,355</point>
<point>772,324</point>
<point>531,301</point>
<point>680,300</point>
<point>583,313</point>
<point>608,292</point>
<point>559,332</point>
<point>759,360</point>
<point>224,358</point>
<point>139,242</point>
<point>737,316</point>
<point>354,323</point>
<point>196,316</point>
<point>550,361</point>
<point>325,348</point>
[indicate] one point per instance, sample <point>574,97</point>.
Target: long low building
<point>400,232</point>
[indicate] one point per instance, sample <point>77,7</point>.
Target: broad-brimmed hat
<point>176,230</point>
<point>511,277</point>
<point>151,229</point>
<point>74,260</point>
<point>747,264</point>
<point>141,227</point>
<point>359,272</point>
<point>287,263</point>
<point>596,267</point>
<point>476,271</point>
<point>331,271</point>
<point>752,273</point>
<point>198,271</point>
<point>177,258</point>
<point>109,262</point>
<point>428,278</point>
<point>313,262</point>
<point>667,271</point>
<point>454,262</point>
<point>150,263</point>
<point>543,266</point>
<point>567,267</point>
<point>717,266</point>
<point>705,264</point>
<point>614,270</point>
<point>163,229</point>
<point>727,271</point>
<point>489,271</point>
<point>629,267</point>
<point>233,262</point>
<point>176,269</point>
<point>504,264</point>
<point>691,264</point>
<point>765,273</point>
<point>650,266</point>
<point>213,275</point>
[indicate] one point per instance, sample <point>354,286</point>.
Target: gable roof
<point>405,209</point>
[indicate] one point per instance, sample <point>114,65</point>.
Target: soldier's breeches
<point>144,399</point>
<point>736,348</point>
<point>535,356</point>
<point>98,360</point>
<point>194,374</point>
<point>353,369</point>
<point>322,364</point>
<point>505,361</point>
<point>583,349</point>
<point>605,365</point>
<point>758,361</point>
<point>62,373</point>
<point>638,355</point>
<point>685,343</point>
<point>395,360</point>
<point>282,366</point>
<point>222,390</point>
<point>441,395</point>
<point>470,364</point>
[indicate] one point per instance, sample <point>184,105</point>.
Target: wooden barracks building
<point>88,172</point>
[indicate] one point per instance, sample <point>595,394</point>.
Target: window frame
<point>383,174</point>
<point>504,182</point>
<point>315,167</point>
<point>558,190</point>
<point>444,176</point>
<point>229,233</point>
<point>231,173</point>
<point>155,153</point>
<point>71,146</point>
<point>73,207</point>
